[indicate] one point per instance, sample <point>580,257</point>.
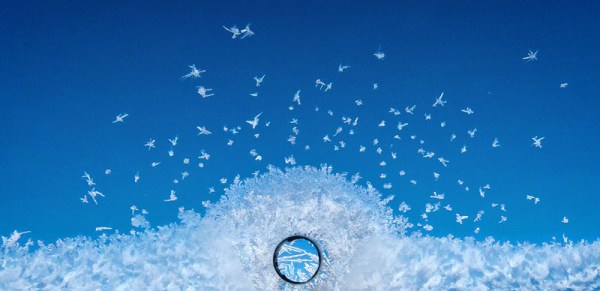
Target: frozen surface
<point>231,248</point>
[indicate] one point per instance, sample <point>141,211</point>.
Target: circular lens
<point>297,259</point>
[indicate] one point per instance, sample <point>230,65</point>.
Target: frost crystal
<point>231,248</point>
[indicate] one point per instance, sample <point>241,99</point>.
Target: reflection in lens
<point>297,259</point>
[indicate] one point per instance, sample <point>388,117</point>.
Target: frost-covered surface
<point>413,263</point>
<point>335,214</point>
<point>231,248</point>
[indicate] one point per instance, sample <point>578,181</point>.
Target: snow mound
<point>231,248</point>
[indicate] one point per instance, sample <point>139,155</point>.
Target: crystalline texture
<point>231,248</point>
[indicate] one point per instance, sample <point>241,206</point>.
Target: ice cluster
<point>231,248</point>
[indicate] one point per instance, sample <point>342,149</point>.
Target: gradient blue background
<point>68,68</point>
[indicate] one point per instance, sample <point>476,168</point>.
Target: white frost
<point>231,248</point>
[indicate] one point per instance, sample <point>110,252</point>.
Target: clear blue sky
<point>67,69</point>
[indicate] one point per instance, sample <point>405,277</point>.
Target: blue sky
<point>68,69</point>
